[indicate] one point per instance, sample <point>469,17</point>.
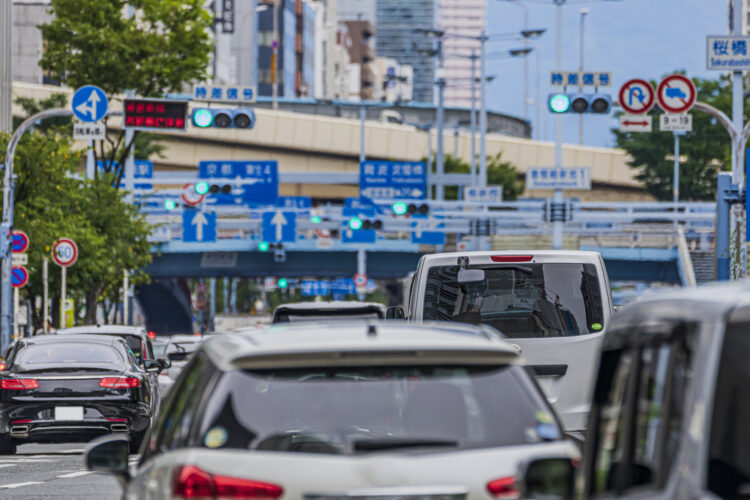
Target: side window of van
<point>639,406</point>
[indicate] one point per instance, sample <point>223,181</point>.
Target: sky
<point>629,38</point>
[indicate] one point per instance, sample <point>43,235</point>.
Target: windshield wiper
<point>396,443</point>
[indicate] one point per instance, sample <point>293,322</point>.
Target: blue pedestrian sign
<point>404,180</point>
<point>279,226</point>
<point>424,232</point>
<point>90,103</point>
<point>198,226</point>
<point>256,182</point>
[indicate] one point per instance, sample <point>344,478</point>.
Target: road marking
<point>18,485</point>
<point>7,465</point>
<point>75,474</point>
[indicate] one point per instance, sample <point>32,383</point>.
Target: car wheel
<point>7,445</point>
<point>135,441</point>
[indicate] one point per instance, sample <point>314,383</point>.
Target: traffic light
<point>170,204</point>
<point>579,103</point>
<point>283,283</point>
<point>355,223</point>
<point>263,246</point>
<point>401,208</point>
<point>206,188</point>
<point>223,118</point>
<point>201,187</point>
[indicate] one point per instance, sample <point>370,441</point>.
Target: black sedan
<point>72,388</point>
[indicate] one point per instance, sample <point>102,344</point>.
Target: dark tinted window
<point>297,315</point>
<point>520,300</point>
<point>729,451</point>
<point>349,410</point>
<point>67,352</point>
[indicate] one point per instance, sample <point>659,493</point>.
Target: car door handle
<point>549,370</point>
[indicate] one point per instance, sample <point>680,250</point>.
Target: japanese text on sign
<point>574,78</point>
<point>390,180</point>
<point>728,52</point>
<point>218,93</point>
<point>558,178</point>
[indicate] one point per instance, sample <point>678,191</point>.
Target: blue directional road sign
<point>404,180</point>
<point>299,202</point>
<point>316,287</point>
<point>257,181</point>
<point>90,103</point>
<point>359,207</point>
<point>349,235</point>
<point>279,226</point>
<point>423,232</point>
<point>198,226</point>
<point>144,170</point>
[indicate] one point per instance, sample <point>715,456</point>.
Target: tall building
<point>396,22</point>
<point>465,18</point>
<point>27,40</point>
<point>362,53</point>
<point>357,10</point>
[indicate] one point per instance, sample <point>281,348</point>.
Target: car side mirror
<point>151,365</point>
<point>548,478</point>
<point>395,313</point>
<point>109,454</point>
<point>469,276</point>
<point>164,363</point>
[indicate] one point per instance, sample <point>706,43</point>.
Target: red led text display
<point>155,114</point>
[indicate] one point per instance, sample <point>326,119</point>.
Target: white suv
<point>554,305</point>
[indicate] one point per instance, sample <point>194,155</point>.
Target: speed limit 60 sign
<point>65,252</point>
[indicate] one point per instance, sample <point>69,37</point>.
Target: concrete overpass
<point>310,144</point>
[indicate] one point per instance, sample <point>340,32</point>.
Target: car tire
<point>7,445</point>
<point>136,438</point>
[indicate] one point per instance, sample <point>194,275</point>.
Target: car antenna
<point>372,331</point>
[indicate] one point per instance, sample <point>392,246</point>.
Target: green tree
<point>164,45</point>
<point>707,149</point>
<point>499,173</point>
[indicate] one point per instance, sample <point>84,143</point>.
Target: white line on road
<point>2,466</point>
<point>18,485</point>
<point>76,474</point>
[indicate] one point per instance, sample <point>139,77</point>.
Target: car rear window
<point>67,352</point>
<point>520,300</point>
<point>357,410</point>
<point>295,316</point>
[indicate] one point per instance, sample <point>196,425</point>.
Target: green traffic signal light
<point>559,103</point>
<point>283,283</point>
<point>315,219</point>
<point>170,204</point>
<point>355,223</point>
<point>202,118</point>
<point>399,208</point>
<point>263,246</point>
<point>201,187</point>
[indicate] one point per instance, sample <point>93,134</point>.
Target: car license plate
<point>69,413</point>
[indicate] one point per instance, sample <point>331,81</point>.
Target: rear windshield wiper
<point>396,443</point>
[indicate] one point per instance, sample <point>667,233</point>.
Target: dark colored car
<point>72,388</point>
<point>139,343</point>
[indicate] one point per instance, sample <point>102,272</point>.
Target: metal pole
<point>538,98</point>
<point>440,194</point>
<point>584,13</point>
<point>676,174</point>
<point>430,177</point>
<point>723,186</point>
<point>274,55</point>
<point>557,234</point>
<point>212,306</point>
<point>362,118</point>
<point>738,152</point>
<point>482,114</point>
<point>90,161</point>
<point>16,307</point>
<point>125,302</point>
<point>361,267</point>
<point>233,300</point>
<point>63,295</point>
<point>6,320</point>
<point>473,118</point>
<point>225,295</point>
<point>45,293</point>
<point>6,56</point>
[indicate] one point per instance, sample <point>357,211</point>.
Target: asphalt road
<point>53,471</point>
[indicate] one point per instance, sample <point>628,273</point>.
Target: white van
<point>554,305</point>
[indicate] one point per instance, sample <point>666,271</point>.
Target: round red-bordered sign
<point>360,280</point>
<point>676,94</point>
<point>19,276</point>
<point>190,197</point>
<point>19,242</point>
<point>636,96</point>
<point>65,252</point>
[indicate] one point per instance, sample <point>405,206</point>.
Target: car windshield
<point>67,352</point>
<point>160,349</point>
<point>354,410</point>
<point>528,300</point>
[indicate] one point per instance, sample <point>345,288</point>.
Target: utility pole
<point>440,163</point>
<point>738,154</point>
<point>482,112</point>
<point>473,118</point>
<point>557,231</point>
<point>584,13</point>
<point>6,55</point>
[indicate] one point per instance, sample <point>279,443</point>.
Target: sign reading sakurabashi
<point>728,53</point>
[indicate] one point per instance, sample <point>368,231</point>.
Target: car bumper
<point>37,423</point>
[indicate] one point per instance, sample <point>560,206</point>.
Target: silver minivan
<point>554,305</point>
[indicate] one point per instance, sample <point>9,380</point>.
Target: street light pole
<point>473,118</point>
<point>6,56</point>
<point>525,61</point>
<point>482,113</point>
<point>440,167</point>
<point>584,13</point>
<point>557,231</point>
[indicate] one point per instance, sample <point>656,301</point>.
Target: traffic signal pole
<point>557,229</point>
<point>738,151</point>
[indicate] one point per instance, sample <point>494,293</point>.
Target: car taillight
<point>152,335</point>
<point>25,421</point>
<point>119,382</point>
<point>512,258</point>
<point>19,384</point>
<point>2,366</point>
<point>192,482</point>
<point>505,487</point>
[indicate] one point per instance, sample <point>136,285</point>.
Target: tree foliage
<point>161,47</point>
<point>706,150</point>
<point>499,173</point>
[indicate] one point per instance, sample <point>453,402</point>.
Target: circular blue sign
<point>90,103</point>
<point>19,276</point>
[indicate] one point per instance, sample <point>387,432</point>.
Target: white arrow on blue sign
<point>279,226</point>
<point>424,232</point>
<point>198,227</point>
<point>90,103</point>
